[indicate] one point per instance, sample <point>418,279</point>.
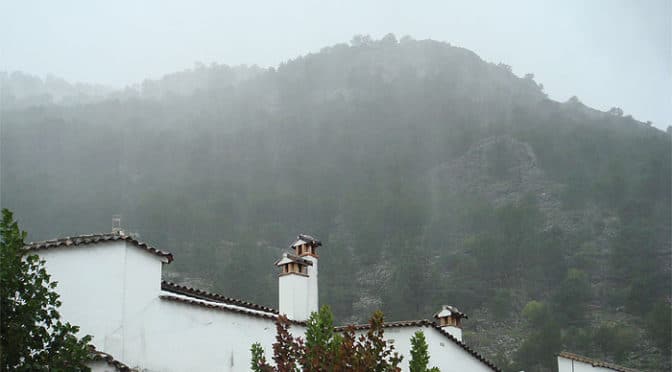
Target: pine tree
<point>32,335</point>
<point>321,343</point>
<point>420,354</point>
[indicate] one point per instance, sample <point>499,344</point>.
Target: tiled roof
<point>427,323</point>
<point>201,294</point>
<point>305,238</point>
<point>109,359</point>
<point>448,310</point>
<point>96,239</point>
<point>223,307</point>
<point>288,257</point>
<point>595,363</point>
<point>403,323</point>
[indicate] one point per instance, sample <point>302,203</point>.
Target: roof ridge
<point>199,302</point>
<point>397,323</point>
<point>96,354</point>
<point>595,362</point>
<point>79,236</point>
<point>194,292</point>
<point>95,239</point>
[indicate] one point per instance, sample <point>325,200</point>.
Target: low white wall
<point>449,356</point>
<point>175,336</point>
<point>570,365</point>
<point>443,352</point>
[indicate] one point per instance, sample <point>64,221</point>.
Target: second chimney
<point>450,318</point>
<point>298,279</point>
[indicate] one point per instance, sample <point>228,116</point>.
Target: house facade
<point>111,286</point>
<point>570,362</point>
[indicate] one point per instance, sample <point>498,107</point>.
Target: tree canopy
<point>325,350</point>
<point>420,355</point>
<point>32,335</point>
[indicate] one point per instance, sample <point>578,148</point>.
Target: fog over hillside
<point>433,175</point>
<point>606,52</point>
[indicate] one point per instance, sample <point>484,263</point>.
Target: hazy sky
<point>608,53</point>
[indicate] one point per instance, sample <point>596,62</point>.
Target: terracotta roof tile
<point>288,257</point>
<point>110,360</point>
<point>595,363</point>
<point>305,238</point>
<point>449,311</point>
<point>209,296</point>
<point>222,307</point>
<point>427,323</point>
<point>96,239</point>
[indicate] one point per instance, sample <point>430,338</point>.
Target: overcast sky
<point>608,53</point>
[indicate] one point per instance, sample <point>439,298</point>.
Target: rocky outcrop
<point>501,170</point>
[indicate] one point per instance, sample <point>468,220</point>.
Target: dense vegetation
<point>430,175</point>
<point>324,349</point>
<point>32,335</point>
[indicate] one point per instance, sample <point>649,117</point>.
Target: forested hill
<point>431,176</point>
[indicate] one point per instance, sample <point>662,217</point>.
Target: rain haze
<point>484,185</point>
<point>608,53</point>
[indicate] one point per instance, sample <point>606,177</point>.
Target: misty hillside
<point>21,90</point>
<point>431,176</point>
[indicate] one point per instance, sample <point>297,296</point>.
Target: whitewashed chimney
<point>450,318</point>
<point>298,279</point>
<point>305,247</point>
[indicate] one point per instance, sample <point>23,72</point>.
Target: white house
<point>110,285</point>
<point>568,362</point>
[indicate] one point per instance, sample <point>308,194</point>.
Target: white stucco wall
<point>443,352</point>
<point>103,287</point>
<point>454,331</point>
<point>570,365</point>
<point>112,291</point>
<point>175,336</point>
<point>91,284</point>
<point>449,356</point>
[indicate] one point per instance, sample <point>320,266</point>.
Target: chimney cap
<point>116,224</point>
<point>306,239</point>
<point>449,310</point>
<point>289,258</point>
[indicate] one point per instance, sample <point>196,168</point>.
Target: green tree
<point>419,354</point>
<point>571,298</point>
<point>327,351</point>
<point>32,335</point>
<point>258,358</point>
<point>537,352</point>
<point>614,340</point>
<point>322,344</point>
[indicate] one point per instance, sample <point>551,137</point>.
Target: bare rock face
<point>501,170</point>
<point>372,281</point>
